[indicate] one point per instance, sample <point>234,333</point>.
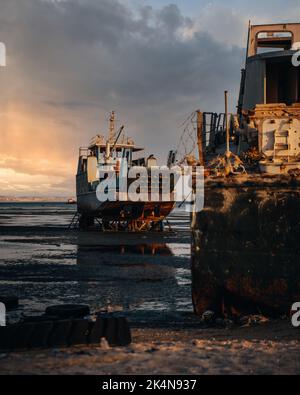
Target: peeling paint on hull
<point>246,246</point>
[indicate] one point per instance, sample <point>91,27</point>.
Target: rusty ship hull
<point>245,248</point>
<point>89,206</point>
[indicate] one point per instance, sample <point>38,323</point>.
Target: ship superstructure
<point>245,242</point>
<point>269,102</point>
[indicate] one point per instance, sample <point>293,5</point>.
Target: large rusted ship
<point>116,153</point>
<point>246,250</point>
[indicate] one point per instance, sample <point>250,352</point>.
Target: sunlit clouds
<point>71,62</point>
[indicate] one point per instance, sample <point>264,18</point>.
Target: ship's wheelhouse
<point>269,102</point>
<point>271,78</point>
<point>116,154</point>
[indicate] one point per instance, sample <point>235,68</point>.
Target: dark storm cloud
<point>72,61</point>
<point>98,50</point>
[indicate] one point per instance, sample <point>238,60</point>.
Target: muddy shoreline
<point>42,262</point>
<point>271,348</point>
<point>148,278</point>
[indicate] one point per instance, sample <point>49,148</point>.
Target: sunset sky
<point>70,62</point>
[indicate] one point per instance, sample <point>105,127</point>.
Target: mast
<point>227,125</point>
<point>248,41</point>
<point>228,154</point>
<point>243,77</point>
<point>112,128</point>
<point>200,137</point>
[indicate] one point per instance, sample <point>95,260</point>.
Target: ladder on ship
<point>74,224</point>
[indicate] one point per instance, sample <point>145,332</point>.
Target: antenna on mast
<point>248,40</point>
<point>112,128</point>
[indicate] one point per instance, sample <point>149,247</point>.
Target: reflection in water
<point>140,249</point>
<point>132,268</point>
<point>103,270</point>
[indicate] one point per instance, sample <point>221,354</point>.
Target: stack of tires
<point>63,326</point>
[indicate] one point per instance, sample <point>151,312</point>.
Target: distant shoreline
<point>10,199</point>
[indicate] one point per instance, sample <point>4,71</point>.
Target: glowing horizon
<point>70,63</point>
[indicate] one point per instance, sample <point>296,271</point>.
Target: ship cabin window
<point>84,165</point>
<point>273,41</point>
<point>119,153</point>
<point>141,162</point>
<point>127,154</point>
<point>101,155</point>
<point>93,151</point>
<point>282,82</point>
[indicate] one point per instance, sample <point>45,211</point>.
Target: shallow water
<point>146,276</point>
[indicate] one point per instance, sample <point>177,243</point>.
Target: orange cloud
<point>36,154</point>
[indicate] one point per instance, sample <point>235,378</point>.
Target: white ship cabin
<point>108,153</point>
<point>102,152</point>
<point>114,151</point>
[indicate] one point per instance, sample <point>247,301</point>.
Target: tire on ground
<point>79,332</point>
<point>124,333</point>
<point>65,311</point>
<point>7,335</point>
<point>96,331</point>
<point>117,330</point>
<point>111,331</point>
<point>22,336</point>
<point>60,333</point>
<point>40,318</point>
<point>40,334</point>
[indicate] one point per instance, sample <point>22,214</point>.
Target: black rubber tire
<point>40,334</point>
<point>22,336</point>
<point>65,311</point>
<point>7,335</point>
<point>116,330</point>
<point>111,331</point>
<point>11,302</point>
<point>96,331</point>
<point>79,332</point>
<point>124,333</point>
<point>60,333</point>
<point>39,318</point>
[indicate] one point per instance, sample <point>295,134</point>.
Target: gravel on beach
<point>272,348</point>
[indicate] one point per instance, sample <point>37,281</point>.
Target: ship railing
<point>213,129</point>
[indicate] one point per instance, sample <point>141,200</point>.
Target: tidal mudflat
<point>147,277</point>
<point>42,262</point>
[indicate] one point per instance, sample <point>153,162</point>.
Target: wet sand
<point>44,263</point>
<point>147,277</point>
<point>272,348</point>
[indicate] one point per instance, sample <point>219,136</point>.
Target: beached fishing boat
<point>118,154</point>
